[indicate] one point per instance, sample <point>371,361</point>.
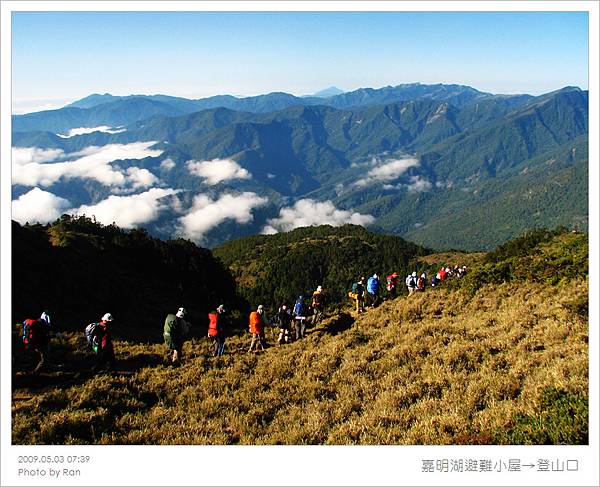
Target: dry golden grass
<point>435,368</point>
<point>451,258</point>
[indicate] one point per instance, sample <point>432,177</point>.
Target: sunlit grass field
<point>508,365</point>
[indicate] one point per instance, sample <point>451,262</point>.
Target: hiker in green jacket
<point>175,331</point>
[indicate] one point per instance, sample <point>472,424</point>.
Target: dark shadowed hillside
<point>80,269</point>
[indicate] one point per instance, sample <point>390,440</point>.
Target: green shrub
<point>563,420</point>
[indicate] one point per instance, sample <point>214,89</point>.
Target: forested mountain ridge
<point>277,268</point>
<point>412,167</point>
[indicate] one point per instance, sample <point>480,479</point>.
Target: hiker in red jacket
<point>35,340</point>
<point>257,329</point>
<point>216,330</point>
<point>106,353</point>
<point>391,285</point>
<point>443,273</point>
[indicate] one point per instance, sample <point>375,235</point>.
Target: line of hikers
<point>36,332</point>
<point>285,316</point>
<point>367,295</point>
<point>176,327</point>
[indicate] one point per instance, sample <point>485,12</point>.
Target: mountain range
<point>446,166</point>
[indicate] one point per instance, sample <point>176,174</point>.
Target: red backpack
<point>33,332</point>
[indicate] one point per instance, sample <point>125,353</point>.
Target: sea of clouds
<point>139,197</point>
<point>44,167</point>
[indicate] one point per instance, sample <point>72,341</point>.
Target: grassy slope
<point>509,365</point>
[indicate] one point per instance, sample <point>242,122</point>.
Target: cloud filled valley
<point>138,197</point>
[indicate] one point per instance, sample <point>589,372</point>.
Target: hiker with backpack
<point>99,336</point>
<point>422,282</point>
<point>175,330</point>
<point>284,317</point>
<point>35,340</point>
<point>216,330</point>
<point>373,290</point>
<point>318,305</point>
<point>443,273</point>
<point>411,283</point>
<point>257,329</point>
<point>391,285</point>
<point>358,294</point>
<point>300,317</point>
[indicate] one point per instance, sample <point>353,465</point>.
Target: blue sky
<point>66,56</point>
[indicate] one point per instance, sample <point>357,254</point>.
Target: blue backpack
<point>372,285</point>
<point>299,306</point>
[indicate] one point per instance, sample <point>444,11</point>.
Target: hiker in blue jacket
<point>300,317</point>
<point>373,290</point>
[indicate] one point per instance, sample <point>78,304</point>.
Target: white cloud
<point>89,130</point>
<point>307,212</point>
<point>27,155</point>
<point>418,184</point>
<point>39,206</point>
<point>367,163</point>
<point>207,213</point>
<point>217,170</point>
<point>22,106</point>
<point>167,164</point>
<point>128,211</point>
<point>388,171</point>
<point>89,163</point>
<point>136,178</point>
<point>140,178</point>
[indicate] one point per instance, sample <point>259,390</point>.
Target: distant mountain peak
<point>93,100</point>
<point>327,92</point>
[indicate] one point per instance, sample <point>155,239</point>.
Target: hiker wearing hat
<point>105,355</point>
<point>391,285</point>
<point>257,329</point>
<point>411,283</point>
<point>373,290</point>
<point>175,330</point>
<point>216,330</point>
<point>318,305</point>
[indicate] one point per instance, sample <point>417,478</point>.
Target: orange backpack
<point>255,322</point>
